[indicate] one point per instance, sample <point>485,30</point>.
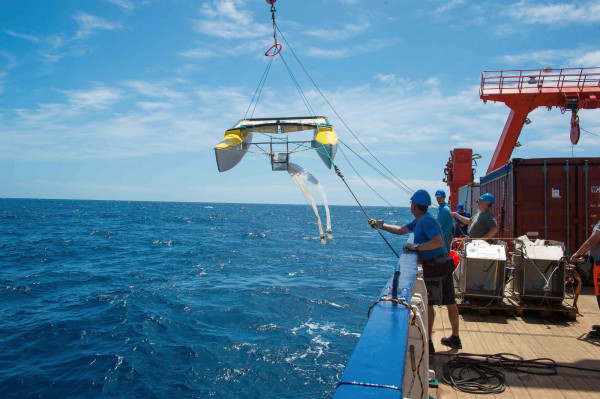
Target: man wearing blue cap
<point>444,218</point>
<point>483,224</point>
<point>461,229</point>
<point>437,265</point>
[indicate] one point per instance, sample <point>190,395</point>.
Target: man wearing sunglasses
<point>483,224</point>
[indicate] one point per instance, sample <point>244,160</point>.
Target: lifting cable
<point>588,132</point>
<point>339,173</point>
<point>336,113</point>
<point>361,178</point>
<point>407,191</point>
<point>259,89</point>
<point>311,111</point>
<point>258,92</point>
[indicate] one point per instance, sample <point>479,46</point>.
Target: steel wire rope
<point>337,114</point>
<point>312,114</point>
<point>261,84</point>
<point>302,95</point>
<point>588,132</point>
<point>376,170</point>
<point>361,178</point>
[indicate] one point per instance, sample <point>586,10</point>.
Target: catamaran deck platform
<point>531,337</point>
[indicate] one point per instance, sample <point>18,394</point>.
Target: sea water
<point>183,300</point>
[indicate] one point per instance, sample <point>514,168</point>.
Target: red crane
<point>525,90</point>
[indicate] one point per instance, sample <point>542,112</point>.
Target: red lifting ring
<point>276,46</point>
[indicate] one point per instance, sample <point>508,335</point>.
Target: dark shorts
<point>437,273</point>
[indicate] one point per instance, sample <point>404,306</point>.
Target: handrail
<point>517,80</point>
<point>377,364</point>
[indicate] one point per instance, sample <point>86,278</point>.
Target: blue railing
<point>376,367</point>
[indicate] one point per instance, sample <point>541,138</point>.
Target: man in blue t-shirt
<point>436,262</point>
<point>461,229</point>
<point>444,218</point>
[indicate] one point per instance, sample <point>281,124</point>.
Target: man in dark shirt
<point>483,224</point>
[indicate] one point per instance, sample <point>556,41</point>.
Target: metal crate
<point>539,270</point>
<point>482,270</point>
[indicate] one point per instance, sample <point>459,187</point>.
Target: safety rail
<point>377,365</point>
<point>517,80</point>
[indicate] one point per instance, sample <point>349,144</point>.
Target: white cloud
<point>227,19</point>
<point>127,5</point>
<point>448,5</point>
<point>560,14</point>
<point>386,78</point>
<point>156,90</point>
<point>153,105</point>
<point>349,31</point>
<point>213,50</point>
<point>89,24</point>
<point>100,97</point>
<point>10,58</point>
<point>370,46</point>
<point>542,57</point>
<point>22,36</point>
<point>589,59</point>
<point>52,44</point>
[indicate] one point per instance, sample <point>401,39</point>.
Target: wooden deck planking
<point>530,337</point>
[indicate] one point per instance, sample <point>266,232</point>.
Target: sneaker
<point>596,327</point>
<point>431,348</point>
<point>452,341</point>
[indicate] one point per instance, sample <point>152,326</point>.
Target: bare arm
<point>587,245</point>
<point>463,219</point>
<point>491,233</point>
<point>434,243</point>
<point>391,228</point>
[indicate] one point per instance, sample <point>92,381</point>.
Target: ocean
<point>183,300</point>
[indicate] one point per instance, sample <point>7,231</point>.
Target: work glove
<point>376,224</point>
<point>410,247</point>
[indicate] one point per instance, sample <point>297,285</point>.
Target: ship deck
<point>530,337</point>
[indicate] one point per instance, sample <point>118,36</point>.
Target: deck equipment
<point>540,269</point>
<point>482,270</point>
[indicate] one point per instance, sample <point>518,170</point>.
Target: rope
<point>311,112</point>
<point>593,134</point>
<point>413,321</point>
<point>409,192</point>
<point>260,86</point>
<point>488,371</point>
<point>338,115</point>
<point>339,173</point>
<point>364,181</point>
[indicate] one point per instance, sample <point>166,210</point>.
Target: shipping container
<point>554,198</point>
<point>468,196</point>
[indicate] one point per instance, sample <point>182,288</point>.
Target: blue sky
<point>125,99</point>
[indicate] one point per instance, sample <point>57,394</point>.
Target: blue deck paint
<point>376,367</point>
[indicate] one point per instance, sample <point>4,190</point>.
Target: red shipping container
<point>554,198</point>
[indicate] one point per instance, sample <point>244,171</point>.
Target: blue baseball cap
<point>460,206</point>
